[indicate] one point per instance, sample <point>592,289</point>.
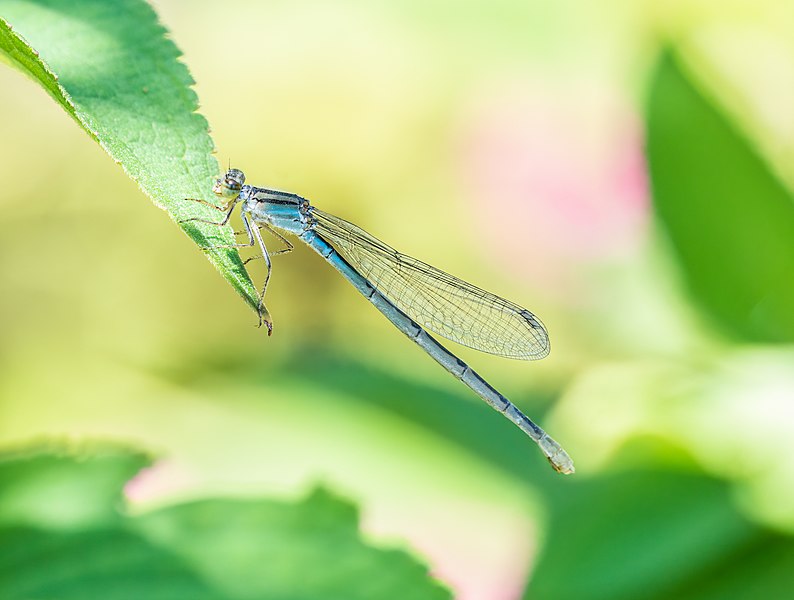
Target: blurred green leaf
<point>263,549</point>
<point>109,64</point>
<point>458,416</point>
<point>108,564</point>
<point>268,549</point>
<point>730,220</point>
<point>65,489</point>
<point>760,569</point>
<point>657,534</point>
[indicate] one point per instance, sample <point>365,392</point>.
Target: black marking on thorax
<point>277,197</point>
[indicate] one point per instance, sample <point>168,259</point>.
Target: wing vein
<point>443,304</point>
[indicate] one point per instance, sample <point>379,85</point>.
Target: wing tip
<point>540,333</point>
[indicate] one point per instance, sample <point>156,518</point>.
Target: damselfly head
<point>230,184</point>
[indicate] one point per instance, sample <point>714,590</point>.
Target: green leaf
<point>656,534</point>
<point>267,549</point>
<point>109,64</point>
<point>109,564</point>
<point>759,569</point>
<point>730,220</point>
<point>64,534</point>
<point>65,488</point>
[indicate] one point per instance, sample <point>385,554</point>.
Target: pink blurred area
<point>494,565</point>
<point>555,172</point>
<point>158,481</point>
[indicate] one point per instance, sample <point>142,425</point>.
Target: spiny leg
<point>210,204</point>
<point>253,237</point>
<point>287,249</point>
<point>264,314</point>
<point>228,211</point>
<point>271,254</point>
<point>266,257</point>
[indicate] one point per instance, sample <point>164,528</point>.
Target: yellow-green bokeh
<point>502,142</point>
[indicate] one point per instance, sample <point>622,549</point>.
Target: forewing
<point>436,300</point>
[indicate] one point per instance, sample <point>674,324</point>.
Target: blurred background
<point>505,142</point>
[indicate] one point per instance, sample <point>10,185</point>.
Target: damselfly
<point>414,296</point>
